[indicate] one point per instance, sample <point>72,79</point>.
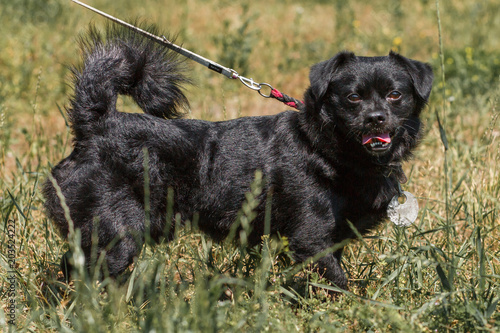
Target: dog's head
<point>371,103</point>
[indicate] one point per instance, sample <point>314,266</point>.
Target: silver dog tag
<point>403,214</point>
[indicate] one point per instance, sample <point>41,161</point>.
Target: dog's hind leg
<point>120,236</point>
<point>116,259</point>
<point>121,255</point>
<point>114,237</point>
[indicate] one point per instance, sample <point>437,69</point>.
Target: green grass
<point>441,274</point>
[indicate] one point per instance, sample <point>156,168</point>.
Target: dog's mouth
<point>377,143</point>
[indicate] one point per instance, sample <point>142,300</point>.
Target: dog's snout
<point>376,118</point>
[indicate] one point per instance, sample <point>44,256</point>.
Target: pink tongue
<point>380,137</point>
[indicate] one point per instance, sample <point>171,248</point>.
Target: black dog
<point>338,159</point>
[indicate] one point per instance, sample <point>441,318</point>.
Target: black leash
<point>227,72</point>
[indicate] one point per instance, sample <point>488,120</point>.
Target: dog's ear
<point>322,74</point>
<point>421,74</point>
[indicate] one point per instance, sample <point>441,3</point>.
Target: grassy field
<point>441,274</point>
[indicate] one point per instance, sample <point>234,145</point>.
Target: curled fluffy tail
<point>121,61</point>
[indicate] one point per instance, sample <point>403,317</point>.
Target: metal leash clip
<point>250,83</point>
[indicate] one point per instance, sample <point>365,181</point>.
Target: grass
<point>441,274</point>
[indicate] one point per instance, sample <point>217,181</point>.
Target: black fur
<point>313,161</point>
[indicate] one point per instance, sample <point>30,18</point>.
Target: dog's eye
<point>354,97</point>
<point>394,95</point>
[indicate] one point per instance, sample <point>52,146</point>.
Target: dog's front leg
<point>329,267</point>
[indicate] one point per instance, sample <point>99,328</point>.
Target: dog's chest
<point>364,201</point>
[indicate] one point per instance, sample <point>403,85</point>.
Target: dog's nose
<point>375,118</point>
